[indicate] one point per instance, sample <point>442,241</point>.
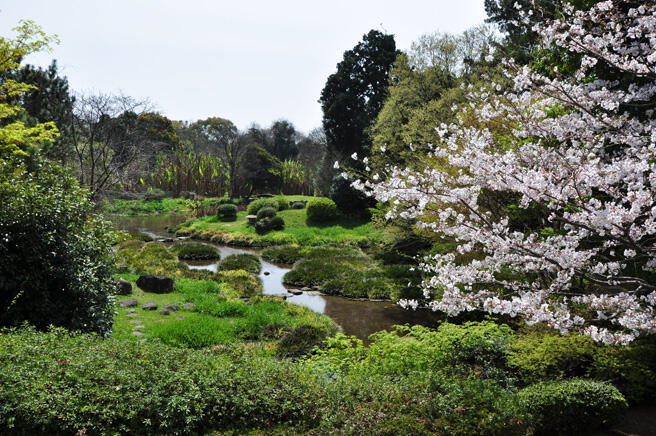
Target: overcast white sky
<point>248,61</point>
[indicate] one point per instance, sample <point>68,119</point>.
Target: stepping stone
<point>179,317</point>
<point>137,333</point>
<point>132,314</point>
<point>189,305</point>
<point>173,307</point>
<point>151,305</point>
<point>306,289</point>
<point>131,310</point>
<point>134,321</point>
<point>164,312</point>
<point>266,273</point>
<point>128,303</point>
<point>295,291</point>
<point>138,327</point>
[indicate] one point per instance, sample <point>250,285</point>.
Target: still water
<point>356,317</point>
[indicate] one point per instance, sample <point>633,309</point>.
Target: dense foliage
<point>55,255</point>
<point>321,210</point>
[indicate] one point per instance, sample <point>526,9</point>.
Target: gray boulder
<point>172,307</point>
<point>156,284</point>
<point>132,302</point>
<point>123,287</point>
<point>164,312</point>
<point>151,305</point>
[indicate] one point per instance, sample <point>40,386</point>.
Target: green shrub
<point>226,211</point>
<point>546,356</point>
<point>287,254</point>
<point>56,259</point>
<point>195,251</point>
<point>283,203</point>
<point>300,341</point>
<point>55,383</point>
<point>154,194</point>
<point>350,201</point>
<point>266,212</point>
<point>256,205</point>
<point>246,262</point>
<point>321,210</point>
<point>150,258</point>
<point>277,223</point>
<point>572,406</point>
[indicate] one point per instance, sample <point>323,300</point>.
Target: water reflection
<point>358,318</point>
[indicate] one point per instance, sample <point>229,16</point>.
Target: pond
<point>360,318</point>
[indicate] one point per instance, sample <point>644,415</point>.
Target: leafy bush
<point>246,262</point>
<point>283,203</point>
<point>266,212</point>
<point>277,223</point>
<point>300,341</point>
<point>360,284</point>
<point>226,211</point>
<point>321,210</point>
<point>349,200</point>
<point>546,356</point>
<point>55,383</point>
<point>195,251</point>
<point>282,254</point>
<point>267,224</point>
<point>256,205</point>
<point>572,406</point>
<point>154,194</point>
<point>151,258</point>
<point>55,255</point>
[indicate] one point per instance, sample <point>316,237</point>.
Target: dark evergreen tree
<point>353,96</point>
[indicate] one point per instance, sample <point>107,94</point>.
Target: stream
<point>360,318</point>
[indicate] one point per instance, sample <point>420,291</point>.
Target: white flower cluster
<point>591,170</point>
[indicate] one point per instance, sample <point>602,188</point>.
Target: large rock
<point>128,303</point>
<point>123,287</point>
<point>149,306</point>
<point>157,284</point>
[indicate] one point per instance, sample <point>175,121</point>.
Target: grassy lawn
<point>215,319</point>
<point>297,230</point>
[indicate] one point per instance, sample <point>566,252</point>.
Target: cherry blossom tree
<point>581,149</point>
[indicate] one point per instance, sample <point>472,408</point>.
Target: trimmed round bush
<point>227,210</point>
<point>276,223</point>
<point>266,212</point>
<point>255,206</point>
<point>321,210</point>
<point>572,406</point>
<point>283,203</point>
<point>349,200</point>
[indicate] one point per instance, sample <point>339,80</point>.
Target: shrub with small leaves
<point>572,406</point>
<point>283,203</point>
<point>266,212</point>
<point>256,205</point>
<point>321,210</point>
<point>226,211</point>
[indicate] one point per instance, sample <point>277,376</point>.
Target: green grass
<point>247,262</point>
<point>195,251</point>
<point>143,207</point>
<point>297,231</point>
<point>218,318</point>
